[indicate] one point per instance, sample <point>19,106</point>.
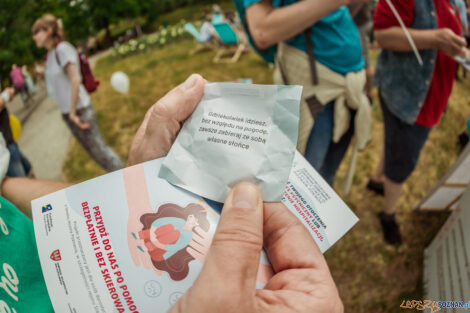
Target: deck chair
<point>200,44</point>
<point>230,43</point>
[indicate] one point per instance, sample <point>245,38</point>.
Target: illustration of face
<point>192,221</point>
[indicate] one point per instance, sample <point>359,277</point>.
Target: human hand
<point>164,119</point>
<point>464,59</point>
<point>199,246</point>
<point>138,203</point>
<point>448,42</point>
<point>137,249</point>
<point>76,119</point>
<point>465,54</point>
<point>301,282</point>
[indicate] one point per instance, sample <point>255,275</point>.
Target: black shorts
<point>403,145</point>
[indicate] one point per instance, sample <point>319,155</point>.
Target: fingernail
<point>190,82</point>
<point>245,196</point>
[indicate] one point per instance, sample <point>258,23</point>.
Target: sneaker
<point>376,187</point>
<point>390,229</point>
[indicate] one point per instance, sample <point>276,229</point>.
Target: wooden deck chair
<point>230,43</point>
<point>200,44</point>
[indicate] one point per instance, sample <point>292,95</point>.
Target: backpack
<point>88,80</point>
<point>269,55</point>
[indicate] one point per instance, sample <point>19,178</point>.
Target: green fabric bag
<point>22,286</point>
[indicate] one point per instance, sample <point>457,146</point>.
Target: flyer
<point>129,241</point>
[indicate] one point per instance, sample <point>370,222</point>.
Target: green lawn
<point>371,276</point>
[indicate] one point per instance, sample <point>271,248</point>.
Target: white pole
<point>407,33</point>
<point>351,169</point>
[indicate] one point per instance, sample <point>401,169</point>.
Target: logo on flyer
<point>46,208</point>
<point>55,255</point>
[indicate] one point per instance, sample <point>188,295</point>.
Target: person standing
<point>18,81</point>
<point>413,97</point>
<point>318,47</point>
<point>63,72</point>
<point>28,80</point>
<point>19,165</point>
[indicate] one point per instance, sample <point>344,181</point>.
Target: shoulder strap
<point>57,56</point>
<point>311,55</point>
<point>311,59</point>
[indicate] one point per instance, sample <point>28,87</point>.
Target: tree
<point>103,14</point>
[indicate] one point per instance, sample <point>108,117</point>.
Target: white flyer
<point>129,241</point>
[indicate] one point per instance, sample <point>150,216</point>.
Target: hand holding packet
<point>93,240</point>
<point>129,241</point>
<point>465,62</point>
<point>237,133</point>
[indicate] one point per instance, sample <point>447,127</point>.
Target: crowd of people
<point>413,97</point>
<point>322,45</point>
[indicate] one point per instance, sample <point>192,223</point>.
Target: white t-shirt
<point>59,80</point>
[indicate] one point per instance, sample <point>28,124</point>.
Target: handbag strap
<point>311,60</point>
<point>57,56</point>
<point>311,56</point>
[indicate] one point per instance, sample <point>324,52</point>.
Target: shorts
<point>403,145</point>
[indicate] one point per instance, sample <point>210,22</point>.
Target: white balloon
<point>120,82</point>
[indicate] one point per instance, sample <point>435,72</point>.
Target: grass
<point>371,276</point>
<point>374,277</point>
<point>151,74</point>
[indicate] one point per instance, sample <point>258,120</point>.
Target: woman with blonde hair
<point>63,71</point>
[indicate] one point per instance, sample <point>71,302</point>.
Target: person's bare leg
<point>392,194</point>
<point>376,182</point>
<point>390,227</point>
<point>379,174</point>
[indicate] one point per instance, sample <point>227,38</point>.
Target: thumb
<point>182,100</point>
<point>234,256</point>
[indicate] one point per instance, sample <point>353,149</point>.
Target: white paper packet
<point>237,133</point>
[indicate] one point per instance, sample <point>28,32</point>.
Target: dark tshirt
<point>5,126</point>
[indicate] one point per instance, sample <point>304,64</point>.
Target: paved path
<point>45,140</point>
